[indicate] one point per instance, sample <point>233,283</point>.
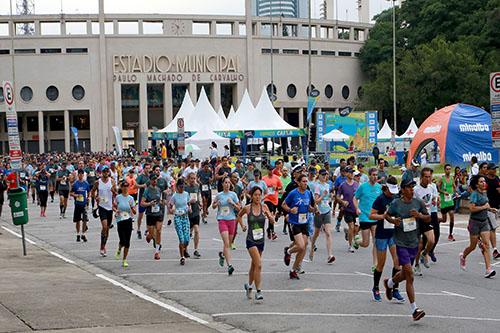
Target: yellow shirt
<point>164,152</point>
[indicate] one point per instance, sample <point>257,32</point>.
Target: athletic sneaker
<point>397,296</point>
<point>230,270</point>
<point>355,243</point>
<point>285,232</point>
<point>462,262</point>
<point>248,291</point>
<point>183,261</point>
<point>496,254</point>
<point>157,255</point>
<point>204,220</point>
<point>294,275</point>
<point>186,254</point>
<point>125,263</point>
<point>196,254</point>
<point>350,249</point>
<point>117,255</point>
<point>388,290</point>
<point>300,270</point>
<point>337,228</point>
<point>418,314</point>
<point>103,253</point>
<point>490,273</point>
<point>287,256</point>
<point>84,238</point>
<point>77,238</point>
<point>311,256</point>
<point>433,257</point>
<point>233,247</point>
<point>331,260</point>
<point>274,236</point>
<point>169,222</point>
<point>417,270</point>
<point>376,295</point>
<point>424,260</point>
<point>451,238</point>
<point>221,259</point>
<point>139,234</point>
<point>258,296</point>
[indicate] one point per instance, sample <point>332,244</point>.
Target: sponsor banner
<point>372,123</point>
<point>356,126</point>
<point>320,131</point>
<point>15,153</point>
<point>118,140</point>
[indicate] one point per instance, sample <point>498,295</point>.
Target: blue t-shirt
<point>81,189</point>
<point>338,181</point>
<point>180,201</point>
<point>225,210</point>
<point>366,195</point>
<point>323,190</point>
<point>124,203</point>
<point>302,201</point>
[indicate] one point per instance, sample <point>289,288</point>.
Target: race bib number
<point>258,234</point>
<point>104,199</point>
<point>43,187</point>
<point>409,224</point>
<point>180,212</point>
<point>447,197</point>
<point>91,174</point>
<point>388,225</point>
<point>270,190</point>
<point>204,187</point>
<point>79,198</point>
<point>193,196</point>
<point>155,209</point>
<point>225,211</point>
<point>302,218</point>
<point>63,182</point>
<point>124,215</point>
<point>22,175</point>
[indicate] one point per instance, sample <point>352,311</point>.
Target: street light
<point>394,64</point>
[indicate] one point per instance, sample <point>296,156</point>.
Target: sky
<point>346,11</point>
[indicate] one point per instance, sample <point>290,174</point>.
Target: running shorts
<point>80,214</point>
<point>406,255</point>
<point>194,220</point>
<point>476,227</point>
<point>64,193</point>
<point>227,225</point>
<point>259,246</point>
<point>349,217</point>
<point>105,214</point>
<point>295,229</point>
<point>382,244</point>
<point>322,219</point>
<point>366,225</point>
<point>151,220</point>
<point>424,227</point>
<point>447,209</point>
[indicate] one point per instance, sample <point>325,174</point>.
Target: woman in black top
<point>3,188</point>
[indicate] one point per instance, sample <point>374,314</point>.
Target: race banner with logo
<point>74,130</point>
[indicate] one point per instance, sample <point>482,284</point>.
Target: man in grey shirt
<point>403,213</point>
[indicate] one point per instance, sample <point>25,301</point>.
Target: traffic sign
<point>8,93</point>
<point>15,153</point>
<point>180,123</point>
<point>495,88</point>
<point>180,136</point>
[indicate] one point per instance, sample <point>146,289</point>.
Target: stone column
<point>117,91</point>
<point>192,92</point>
<point>301,117</point>
<point>282,112</point>
<point>216,98</point>
<point>168,113</point>
<point>41,134</point>
<point>143,115</point>
<point>67,134</point>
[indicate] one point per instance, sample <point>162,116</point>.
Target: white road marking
<point>55,254</point>
<point>452,243</point>
<point>221,273</point>
<point>383,315</point>
<point>458,295</point>
<point>495,264</point>
<point>364,274</point>
<point>176,260</point>
<point>306,290</point>
<point>153,300</point>
<point>217,240</point>
<point>18,235</point>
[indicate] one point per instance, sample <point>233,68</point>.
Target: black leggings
<point>124,232</point>
<point>43,196</point>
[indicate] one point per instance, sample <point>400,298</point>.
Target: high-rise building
<point>285,8</point>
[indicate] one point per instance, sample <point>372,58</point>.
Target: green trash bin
<point>18,199</point>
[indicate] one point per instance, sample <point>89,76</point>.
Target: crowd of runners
<point>399,214</point>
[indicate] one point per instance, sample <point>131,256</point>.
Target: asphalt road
<point>327,298</point>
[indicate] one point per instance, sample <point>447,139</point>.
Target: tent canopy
<point>231,113</point>
<point>245,115</point>
<point>204,116</point>
<point>185,112</point>
<point>385,132</point>
<point>335,136</point>
<point>221,114</point>
<point>203,139</point>
<point>410,131</point>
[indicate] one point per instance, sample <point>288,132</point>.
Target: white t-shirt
<point>427,195</point>
<point>474,170</point>
<point>336,173</point>
<point>189,170</point>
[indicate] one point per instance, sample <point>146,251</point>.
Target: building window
<point>26,94</point>
<point>78,92</point>
<point>24,51</point>
<point>328,53</point>
<point>344,54</point>
<point>243,29</point>
<point>56,123</point>
<point>81,122</point>
<point>178,92</point>
<point>291,90</point>
<point>345,92</point>
<point>359,34</point>
<point>77,50</point>
<point>201,28</point>
<point>152,28</point>
<point>51,50</point>
<point>4,51</point>
<point>95,28</point>
<point>329,91</point>
<point>52,93</point>
<point>290,30</point>
<point>109,28</point>
<point>343,33</point>
<point>25,28</point>
<point>130,96</point>
<point>32,124</point>
<point>50,28</point>
<point>290,51</point>
<point>313,52</point>
<point>76,28</point>
<point>1,95</point>
<point>128,28</point>
<point>4,29</point>
<point>208,90</point>
<point>224,29</point>
<point>268,88</point>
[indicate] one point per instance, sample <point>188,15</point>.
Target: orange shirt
<point>132,189</point>
<point>273,184</point>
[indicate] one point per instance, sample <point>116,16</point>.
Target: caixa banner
<point>461,132</point>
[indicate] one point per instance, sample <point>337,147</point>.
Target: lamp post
<point>394,65</point>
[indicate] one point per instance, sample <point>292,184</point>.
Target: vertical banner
<point>118,139</point>
<point>372,123</point>
<point>320,131</point>
<point>74,130</point>
<point>15,152</point>
<point>180,136</point>
<point>311,103</point>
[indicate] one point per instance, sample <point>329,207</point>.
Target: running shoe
<point>496,254</point>
<point>139,234</point>
<point>117,255</point>
<point>376,295</point>
<point>350,249</point>
<point>285,232</point>
<point>157,255</point>
<point>355,243</point>
<point>315,248</point>
<point>258,296</point>
<point>248,291</point>
<point>287,256</point>
<point>451,238</point>
<point>102,252</point>
<point>311,256</point>
<point>221,259</point>
<point>417,270</point>
<point>204,220</point>
<point>300,270</point>
<point>337,228</point>
<point>424,260</point>
<point>233,247</point>
<point>418,314</point>
<point>186,254</point>
<point>125,263</point>
<point>462,262</point>
<point>397,296</point>
<point>331,260</point>
<point>230,270</point>
<point>490,273</point>
<point>183,261</point>
<point>77,238</point>
<point>196,254</point>
<point>388,290</point>
<point>169,222</point>
<point>373,269</point>
<point>294,275</point>
<point>274,236</point>
<point>84,238</point>
<point>433,257</point>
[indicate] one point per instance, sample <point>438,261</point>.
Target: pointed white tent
<point>204,116</point>
<point>266,116</point>
<point>410,131</point>
<point>335,136</point>
<point>221,114</point>
<point>385,132</point>
<point>185,111</point>
<point>231,113</point>
<point>245,115</point>
<point>203,138</point>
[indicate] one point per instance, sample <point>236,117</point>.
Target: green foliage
<point>445,51</point>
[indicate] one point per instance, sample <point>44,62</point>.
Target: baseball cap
<point>349,170</point>
<point>492,166</point>
<point>297,168</point>
<point>408,183</point>
<point>105,167</point>
<point>415,163</point>
<point>323,172</point>
<point>392,185</point>
<point>356,173</point>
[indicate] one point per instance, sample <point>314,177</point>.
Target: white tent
<point>410,131</point>
<point>385,132</point>
<point>204,116</point>
<point>245,115</point>
<point>231,113</point>
<point>267,117</point>
<point>185,112</point>
<point>335,136</point>
<point>221,114</point>
<point>203,138</point>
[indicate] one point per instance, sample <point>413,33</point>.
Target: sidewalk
<point>42,292</point>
